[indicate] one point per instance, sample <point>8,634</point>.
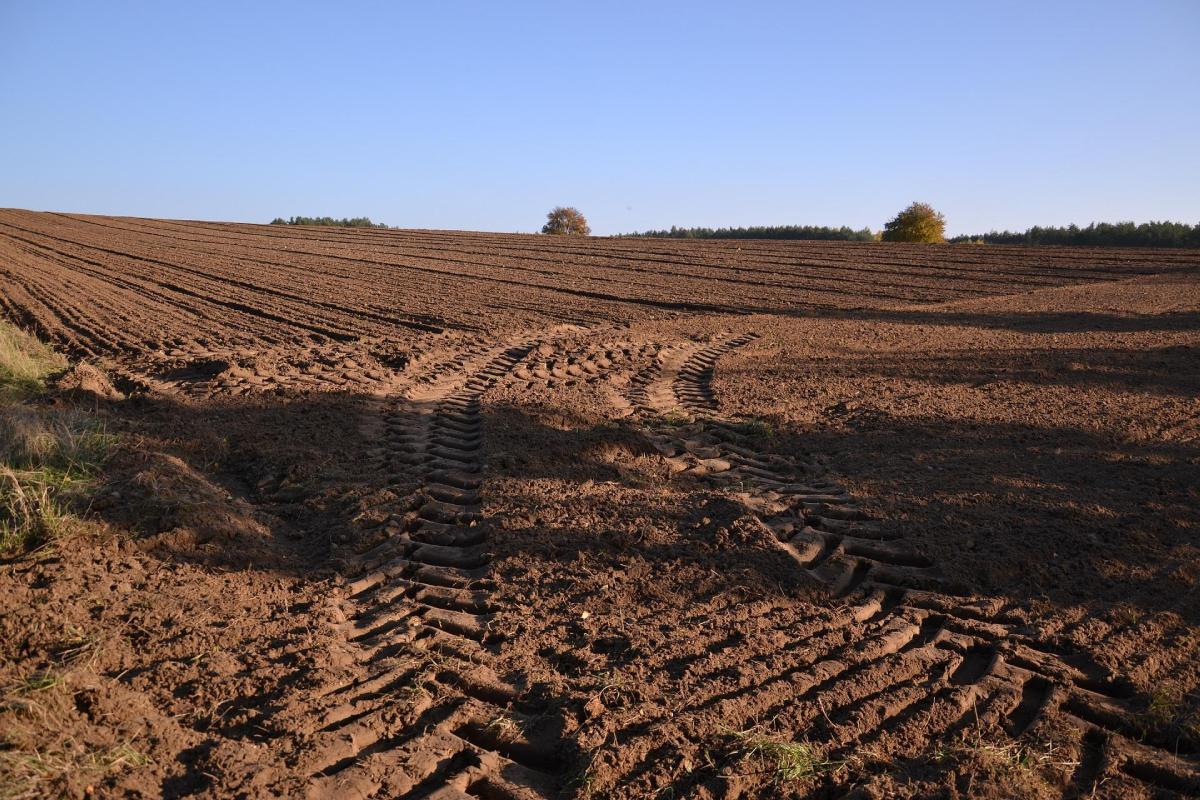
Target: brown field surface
<point>447,514</point>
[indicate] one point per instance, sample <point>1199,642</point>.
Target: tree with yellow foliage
<point>917,223</point>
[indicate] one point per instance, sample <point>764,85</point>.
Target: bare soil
<point>443,514</point>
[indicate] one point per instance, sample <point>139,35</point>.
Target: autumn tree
<point>917,223</point>
<point>565,221</point>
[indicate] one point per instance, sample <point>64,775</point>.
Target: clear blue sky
<point>483,115</point>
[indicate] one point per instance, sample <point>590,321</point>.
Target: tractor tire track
<point>428,716</point>
<point>950,652</point>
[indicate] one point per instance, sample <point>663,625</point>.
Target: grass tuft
<point>675,418</point>
<point>1169,714</point>
<point>38,682</point>
<point>755,428</point>
<point>785,761</point>
<point>123,755</point>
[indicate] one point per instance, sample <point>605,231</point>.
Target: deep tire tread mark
<point>428,593</point>
<point>831,539</point>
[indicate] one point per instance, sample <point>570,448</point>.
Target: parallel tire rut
<point>965,653</point>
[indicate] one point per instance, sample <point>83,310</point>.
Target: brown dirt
<point>445,514</point>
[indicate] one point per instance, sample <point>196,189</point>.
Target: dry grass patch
<point>996,767</point>
<point>783,761</point>
<point>34,765</point>
<point>49,457</point>
<point>25,363</point>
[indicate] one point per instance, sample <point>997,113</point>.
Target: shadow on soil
<point>1053,514</point>
<point>1048,515</point>
<point>1026,512</point>
<point>289,471</point>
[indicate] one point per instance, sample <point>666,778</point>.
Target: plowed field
<point>449,514</point>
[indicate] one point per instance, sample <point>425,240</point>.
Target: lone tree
<point>564,221</point>
<point>917,223</point>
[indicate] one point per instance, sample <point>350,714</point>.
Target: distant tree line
<point>344,222</point>
<point>1099,234</point>
<point>843,233</point>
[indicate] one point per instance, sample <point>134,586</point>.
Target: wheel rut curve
<point>428,716</point>
<point>595,357</point>
<point>944,657</point>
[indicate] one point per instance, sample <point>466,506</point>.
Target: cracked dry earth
<point>429,514</point>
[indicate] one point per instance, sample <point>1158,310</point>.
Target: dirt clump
<point>83,381</point>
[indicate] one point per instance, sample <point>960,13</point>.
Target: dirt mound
<point>171,503</point>
<point>86,382</point>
